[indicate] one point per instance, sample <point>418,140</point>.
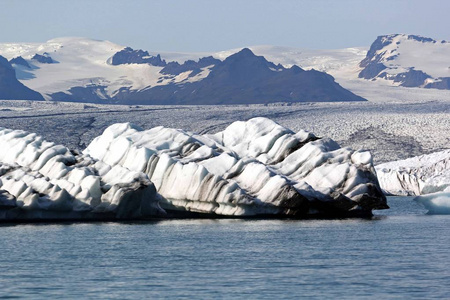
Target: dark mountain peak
<point>246,52</point>
<point>174,68</point>
<point>296,69</point>
<point>10,87</point>
<point>19,60</point>
<point>130,56</point>
<point>421,39</point>
<point>243,54</point>
<point>4,64</point>
<point>246,59</point>
<point>45,58</point>
<point>208,60</point>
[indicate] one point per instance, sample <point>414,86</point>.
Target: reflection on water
<point>400,252</point>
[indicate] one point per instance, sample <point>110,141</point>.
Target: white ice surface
<point>417,175</point>
<point>436,203</point>
<point>43,180</point>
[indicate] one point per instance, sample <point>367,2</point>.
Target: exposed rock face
<point>442,83</point>
<point>371,70</point>
<point>43,181</point>
<point>130,56</point>
<point>19,60</point>
<point>103,72</point>
<point>251,168</point>
<point>412,78</point>
<point>174,68</point>
<point>395,58</point>
<point>10,87</point>
<point>43,59</point>
<point>243,78</point>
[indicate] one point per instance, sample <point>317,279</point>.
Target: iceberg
<point>436,203</point>
<point>255,168</point>
<point>252,168</point>
<point>43,181</point>
<point>415,176</point>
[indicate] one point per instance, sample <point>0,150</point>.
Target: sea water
<point>399,253</point>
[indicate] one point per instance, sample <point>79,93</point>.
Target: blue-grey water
<point>401,253</point>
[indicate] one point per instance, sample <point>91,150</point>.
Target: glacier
<point>424,174</point>
<point>253,168</point>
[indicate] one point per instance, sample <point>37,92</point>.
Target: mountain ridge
<point>102,72</point>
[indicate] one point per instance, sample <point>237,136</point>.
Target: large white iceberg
<point>419,175</point>
<point>251,168</point>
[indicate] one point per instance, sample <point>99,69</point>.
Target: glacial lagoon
<point>400,252</point>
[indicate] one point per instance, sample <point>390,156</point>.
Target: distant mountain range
<point>84,70</point>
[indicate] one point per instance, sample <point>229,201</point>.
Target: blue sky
<point>182,25</point>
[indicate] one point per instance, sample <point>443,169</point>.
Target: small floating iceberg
<point>437,203</point>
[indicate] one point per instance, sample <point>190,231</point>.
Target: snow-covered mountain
<point>78,69</point>
<point>409,61</point>
<point>85,70</point>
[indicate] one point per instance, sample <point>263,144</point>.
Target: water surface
<point>400,253</point>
